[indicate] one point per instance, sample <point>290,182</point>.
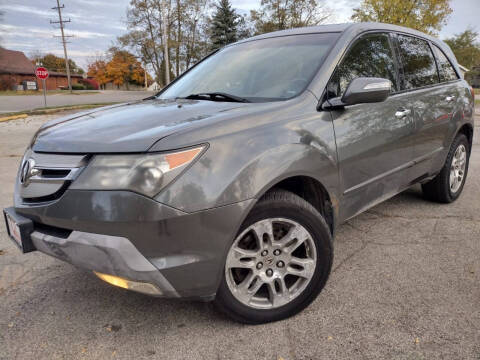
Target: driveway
<point>29,102</point>
<point>405,285</point>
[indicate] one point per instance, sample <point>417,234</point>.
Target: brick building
<point>15,68</point>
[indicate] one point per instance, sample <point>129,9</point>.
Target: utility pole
<point>64,42</point>
<point>165,42</point>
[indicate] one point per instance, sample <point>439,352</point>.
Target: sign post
<point>42,74</point>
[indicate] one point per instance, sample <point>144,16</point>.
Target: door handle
<point>450,98</point>
<point>400,114</point>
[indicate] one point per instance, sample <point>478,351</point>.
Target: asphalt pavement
<point>405,285</point>
<point>14,103</point>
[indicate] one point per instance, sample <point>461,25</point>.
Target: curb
<point>13,117</point>
<point>52,110</point>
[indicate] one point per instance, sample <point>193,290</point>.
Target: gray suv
<point>229,184</point>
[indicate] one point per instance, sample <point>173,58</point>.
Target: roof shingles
<point>15,62</point>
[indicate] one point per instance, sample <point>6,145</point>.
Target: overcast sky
<point>95,24</point>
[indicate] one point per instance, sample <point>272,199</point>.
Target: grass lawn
<point>50,92</point>
<point>50,110</point>
<point>26,92</point>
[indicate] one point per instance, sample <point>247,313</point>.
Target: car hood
<point>132,127</point>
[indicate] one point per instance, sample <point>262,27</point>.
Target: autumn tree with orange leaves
<point>98,70</point>
<point>123,68</point>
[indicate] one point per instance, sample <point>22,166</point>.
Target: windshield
<point>261,70</point>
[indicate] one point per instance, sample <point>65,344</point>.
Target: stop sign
<point>41,73</point>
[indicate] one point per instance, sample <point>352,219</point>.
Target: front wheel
<point>279,261</point>
<point>447,186</point>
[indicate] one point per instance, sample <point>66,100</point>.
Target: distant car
<point>230,183</point>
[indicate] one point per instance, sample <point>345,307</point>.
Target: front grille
<point>54,173</point>
<point>45,177</point>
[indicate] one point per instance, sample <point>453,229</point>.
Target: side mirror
<point>362,90</point>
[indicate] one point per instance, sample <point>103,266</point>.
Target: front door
<point>374,141</point>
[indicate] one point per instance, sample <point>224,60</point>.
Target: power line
<point>63,36</point>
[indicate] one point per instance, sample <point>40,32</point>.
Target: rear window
<point>445,68</point>
<point>419,68</point>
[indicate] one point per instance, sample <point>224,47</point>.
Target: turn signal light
<point>142,287</point>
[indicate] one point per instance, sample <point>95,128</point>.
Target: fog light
<point>142,287</point>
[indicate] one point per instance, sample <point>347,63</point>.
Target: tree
<point>98,70</point>
<point>466,48</point>
<point>55,63</point>
<point>124,68</point>
<point>223,29</point>
<point>286,14</point>
<point>187,37</point>
<point>424,15</point>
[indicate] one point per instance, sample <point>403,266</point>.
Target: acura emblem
<point>28,170</point>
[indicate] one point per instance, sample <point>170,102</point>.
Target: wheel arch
<point>467,130</point>
<point>312,191</point>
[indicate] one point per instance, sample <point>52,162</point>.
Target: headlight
<point>146,174</point>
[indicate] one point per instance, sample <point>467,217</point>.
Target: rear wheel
<point>279,261</point>
<point>447,186</point>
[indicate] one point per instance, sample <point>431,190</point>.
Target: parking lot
<point>405,285</point>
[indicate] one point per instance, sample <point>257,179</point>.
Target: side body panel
<point>259,152</point>
<point>375,151</point>
<point>434,127</point>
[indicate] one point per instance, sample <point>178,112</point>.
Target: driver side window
<point>370,56</point>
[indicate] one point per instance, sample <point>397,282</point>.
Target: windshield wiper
<point>217,96</point>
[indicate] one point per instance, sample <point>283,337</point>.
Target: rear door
<point>449,95</point>
<point>374,141</point>
<point>430,101</point>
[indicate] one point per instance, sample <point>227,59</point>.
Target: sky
<point>95,24</point>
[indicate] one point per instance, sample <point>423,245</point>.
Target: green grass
<point>50,92</point>
<point>477,91</point>
<point>26,92</point>
<point>55,109</point>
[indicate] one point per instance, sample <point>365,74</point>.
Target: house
<point>463,70</point>
<point>154,87</point>
<point>15,68</point>
<point>473,77</point>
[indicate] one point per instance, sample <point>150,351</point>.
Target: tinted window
<point>370,56</point>
<point>418,63</point>
<point>261,70</point>
<point>445,68</point>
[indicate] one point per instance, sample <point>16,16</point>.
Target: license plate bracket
<point>19,229</point>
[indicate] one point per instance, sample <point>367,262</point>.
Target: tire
<point>276,299</point>
<point>440,188</point>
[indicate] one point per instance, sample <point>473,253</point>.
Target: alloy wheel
<point>270,263</point>
<point>457,168</point>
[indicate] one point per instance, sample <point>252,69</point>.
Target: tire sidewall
<point>460,140</point>
<point>318,229</point>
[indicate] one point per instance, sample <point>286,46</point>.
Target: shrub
<point>90,84</point>
<point>78,87</point>
<point>8,82</point>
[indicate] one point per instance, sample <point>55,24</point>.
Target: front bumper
<point>125,234</point>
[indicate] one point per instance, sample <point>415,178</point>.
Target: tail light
<point>473,93</point>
